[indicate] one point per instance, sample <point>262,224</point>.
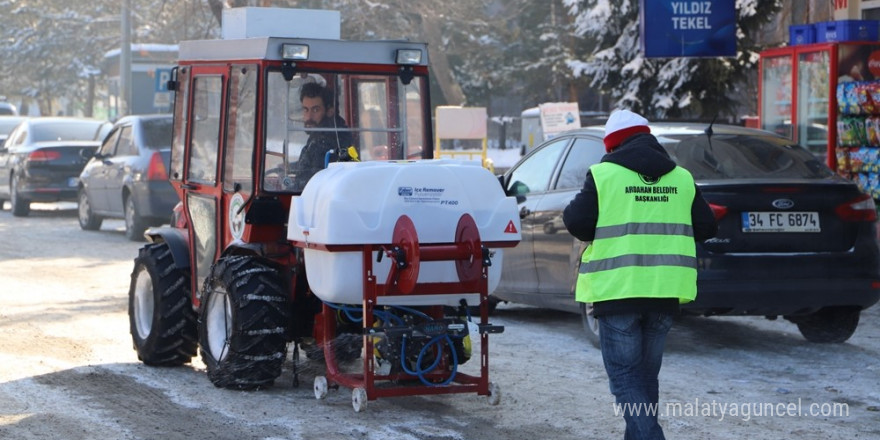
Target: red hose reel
<point>406,253</point>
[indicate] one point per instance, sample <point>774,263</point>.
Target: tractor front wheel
<point>243,324</point>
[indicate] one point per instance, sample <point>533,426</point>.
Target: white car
<point>8,109</point>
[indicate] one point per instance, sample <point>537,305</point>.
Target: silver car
<point>128,177</point>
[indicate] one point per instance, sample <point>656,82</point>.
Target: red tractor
<point>254,120</point>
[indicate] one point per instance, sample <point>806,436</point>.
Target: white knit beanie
<point>621,125</point>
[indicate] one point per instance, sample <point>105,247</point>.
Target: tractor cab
<point>255,118</point>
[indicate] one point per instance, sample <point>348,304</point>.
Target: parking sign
<point>162,78</point>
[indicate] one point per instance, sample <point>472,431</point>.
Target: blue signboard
<point>682,28</point>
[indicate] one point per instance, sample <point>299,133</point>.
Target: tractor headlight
<point>409,56</point>
<point>294,51</point>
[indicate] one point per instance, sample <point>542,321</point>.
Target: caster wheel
<point>494,394</point>
<point>359,399</point>
<point>320,387</point>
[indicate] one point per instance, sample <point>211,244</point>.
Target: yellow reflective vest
<point>644,244</point>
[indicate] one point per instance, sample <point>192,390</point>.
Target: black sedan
<point>42,158</point>
<point>128,177</point>
<point>794,239</point>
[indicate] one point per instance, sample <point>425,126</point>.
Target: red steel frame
<point>467,249</point>
<point>793,52</point>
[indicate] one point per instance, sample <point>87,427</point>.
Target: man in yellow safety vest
<point>642,215</point>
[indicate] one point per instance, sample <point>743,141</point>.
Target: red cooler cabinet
<point>826,97</point>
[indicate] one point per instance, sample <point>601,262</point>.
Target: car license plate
<point>780,222</point>
<point>72,182</point>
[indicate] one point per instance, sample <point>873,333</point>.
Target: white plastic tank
<point>358,203</point>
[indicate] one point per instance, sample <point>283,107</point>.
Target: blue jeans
<point>632,350</point>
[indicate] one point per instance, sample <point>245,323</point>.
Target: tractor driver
<point>319,111</point>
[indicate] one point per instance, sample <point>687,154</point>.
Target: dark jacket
<point>644,155</point>
<point>314,154</point>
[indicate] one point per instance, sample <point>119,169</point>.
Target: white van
<point>532,132</point>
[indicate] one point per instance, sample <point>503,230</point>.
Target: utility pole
<point>124,98</point>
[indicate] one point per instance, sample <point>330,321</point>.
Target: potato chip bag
<point>862,181</point>
<point>851,99</point>
<point>851,131</point>
<point>871,159</point>
<point>855,160</point>
<point>863,97</point>
<point>873,184</point>
<point>872,131</point>
<point>842,156</point>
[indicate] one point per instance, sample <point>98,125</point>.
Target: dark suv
<point>127,178</point>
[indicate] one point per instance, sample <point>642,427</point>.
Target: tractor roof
<point>320,50</point>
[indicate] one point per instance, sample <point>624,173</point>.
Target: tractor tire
<point>162,320</point>
<point>244,323</point>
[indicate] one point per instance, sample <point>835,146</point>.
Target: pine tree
<point>664,87</point>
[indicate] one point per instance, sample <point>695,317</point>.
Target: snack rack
<point>819,95</point>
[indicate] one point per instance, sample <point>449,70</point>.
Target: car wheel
<point>87,219</point>
<point>161,318</point>
<point>829,325</point>
<point>492,302</point>
<point>591,324</point>
<point>134,223</point>
<point>243,323</point>
<point>20,207</point>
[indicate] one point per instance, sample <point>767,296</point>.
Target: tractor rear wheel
<point>161,317</point>
<point>244,322</point>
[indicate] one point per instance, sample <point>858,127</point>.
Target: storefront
<point>826,97</point>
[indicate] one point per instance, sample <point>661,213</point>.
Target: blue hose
<point>420,372</point>
<point>413,311</point>
<point>436,340</point>
<point>327,156</point>
<point>348,310</point>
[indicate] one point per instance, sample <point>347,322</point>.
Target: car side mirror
<point>519,189</point>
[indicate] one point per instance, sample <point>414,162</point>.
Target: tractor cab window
<point>318,118</point>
